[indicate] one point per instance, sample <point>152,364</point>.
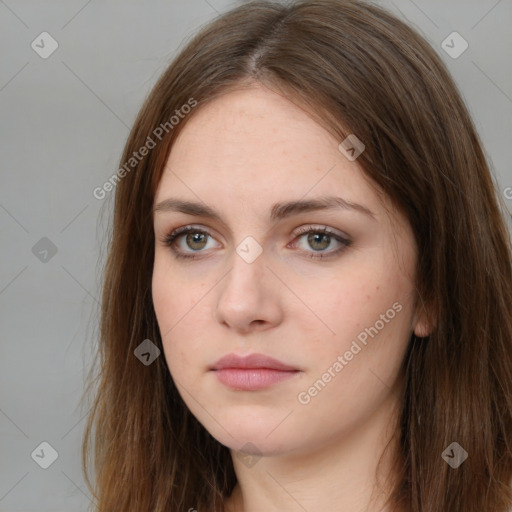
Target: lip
<point>252,372</point>
<point>252,361</point>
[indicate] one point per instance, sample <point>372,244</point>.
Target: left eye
<point>320,239</point>
<point>196,239</point>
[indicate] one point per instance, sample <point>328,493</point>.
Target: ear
<point>421,325</point>
<point>422,330</point>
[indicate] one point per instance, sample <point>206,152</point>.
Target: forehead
<point>253,126</point>
<point>255,145</point>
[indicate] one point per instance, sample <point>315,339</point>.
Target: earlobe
<point>422,330</point>
<point>422,327</point>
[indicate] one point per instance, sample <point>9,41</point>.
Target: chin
<point>260,439</point>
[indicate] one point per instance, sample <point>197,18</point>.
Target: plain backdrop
<point>65,119</point>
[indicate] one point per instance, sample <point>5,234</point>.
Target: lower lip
<point>252,379</point>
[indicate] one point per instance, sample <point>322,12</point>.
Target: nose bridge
<point>247,269</point>
<point>245,300</point>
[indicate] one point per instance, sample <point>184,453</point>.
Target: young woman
<point>308,297</point>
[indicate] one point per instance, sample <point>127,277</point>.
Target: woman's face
<point>334,307</point>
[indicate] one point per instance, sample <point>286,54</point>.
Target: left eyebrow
<point>277,212</point>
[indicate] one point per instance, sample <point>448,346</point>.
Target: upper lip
<point>250,361</point>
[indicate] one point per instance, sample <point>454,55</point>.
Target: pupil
<point>314,238</point>
<point>196,238</point>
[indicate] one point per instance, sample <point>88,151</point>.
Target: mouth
<point>251,373</point>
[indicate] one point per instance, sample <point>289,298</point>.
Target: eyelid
<point>320,228</point>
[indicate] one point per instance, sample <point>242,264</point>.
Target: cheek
<point>353,299</point>
<point>175,296</point>
<point>368,316</point>
<point>349,379</point>
<point>182,301</point>
<point>180,309</point>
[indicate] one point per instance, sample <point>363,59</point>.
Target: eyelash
<point>170,239</point>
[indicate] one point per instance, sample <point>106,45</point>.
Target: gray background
<point>64,123</point>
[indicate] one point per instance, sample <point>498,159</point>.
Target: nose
<point>248,297</point>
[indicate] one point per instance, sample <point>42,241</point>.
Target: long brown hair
<point>356,69</point>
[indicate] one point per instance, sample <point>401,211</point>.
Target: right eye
<point>195,239</point>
